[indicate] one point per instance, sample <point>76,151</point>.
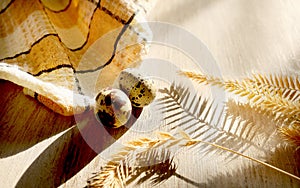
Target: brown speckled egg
<point>113,107</point>
<point>140,90</point>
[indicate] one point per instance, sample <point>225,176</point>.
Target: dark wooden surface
<point>39,147</point>
<point>25,123</point>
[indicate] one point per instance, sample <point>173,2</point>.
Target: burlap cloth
<point>56,48</point>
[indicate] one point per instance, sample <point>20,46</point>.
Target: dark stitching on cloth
<point>114,50</point>
<point>52,69</point>
<point>5,8</point>
<point>112,15</point>
<point>79,48</point>
<point>28,51</point>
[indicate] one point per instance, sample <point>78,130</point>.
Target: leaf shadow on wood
<point>202,119</point>
<point>255,175</point>
<point>72,151</point>
<point>150,167</point>
<point>259,134</point>
<point>24,122</point>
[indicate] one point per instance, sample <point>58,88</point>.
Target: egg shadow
<point>73,150</point>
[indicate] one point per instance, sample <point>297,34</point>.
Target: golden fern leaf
<point>139,159</point>
<point>282,107</point>
<point>284,86</point>
<point>156,165</point>
<point>202,119</point>
<point>291,133</point>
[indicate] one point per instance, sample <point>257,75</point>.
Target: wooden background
<point>39,148</point>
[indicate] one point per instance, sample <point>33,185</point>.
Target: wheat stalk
<point>116,172</point>
<point>120,170</point>
<point>276,95</point>
<point>250,89</point>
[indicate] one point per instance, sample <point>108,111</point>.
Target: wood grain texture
<point>42,149</point>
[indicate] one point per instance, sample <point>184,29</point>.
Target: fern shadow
<point>202,119</point>
<point>150,167</point>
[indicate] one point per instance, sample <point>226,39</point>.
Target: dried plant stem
<point>191,142</point>
<point>247,88</point>
<point>115,172</point>
<point>277,96</point>
<point>250,158</point>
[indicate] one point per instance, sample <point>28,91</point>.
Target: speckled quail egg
<point>140,90</point>
<point>113,107</point>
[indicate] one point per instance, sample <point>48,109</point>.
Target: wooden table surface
<point>40,148</point>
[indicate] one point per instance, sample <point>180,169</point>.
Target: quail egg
<point>113,107</point>
<point>140,90</point>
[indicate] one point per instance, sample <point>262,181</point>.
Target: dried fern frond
<point>277,95</point>
<point>291,133</point>
<point>251,89</point>
<point>141,159</point>
<point>284,86</point>
<point>118,172</point>
<point>200,118</point>
<point>156,165</point>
